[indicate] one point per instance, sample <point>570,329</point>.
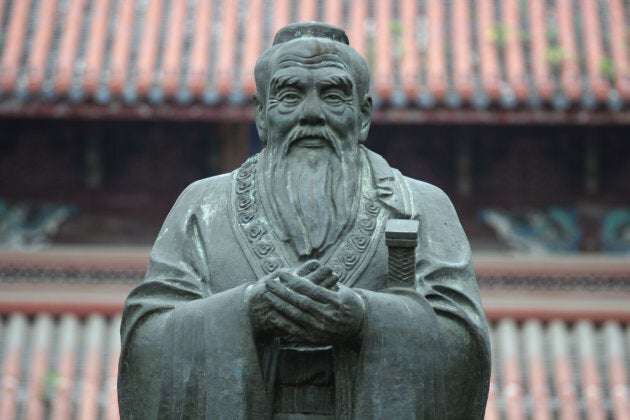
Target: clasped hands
<point>306,304</point>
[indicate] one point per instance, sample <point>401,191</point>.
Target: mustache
<point>299,133</point>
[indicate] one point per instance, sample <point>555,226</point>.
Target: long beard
<point>312,191</point>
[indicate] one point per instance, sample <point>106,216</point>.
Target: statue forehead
<point>310,52</point>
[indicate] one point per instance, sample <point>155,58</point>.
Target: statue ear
<point>366,117</point>
<point>261,119</point>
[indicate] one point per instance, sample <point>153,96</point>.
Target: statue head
<point>311,77</point>
<point>312,110</point>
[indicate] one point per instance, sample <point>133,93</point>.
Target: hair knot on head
<point>310,30</point>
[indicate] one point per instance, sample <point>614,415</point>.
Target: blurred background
<point>518,109</point>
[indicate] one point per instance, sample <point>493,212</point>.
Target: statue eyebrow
<point>337,81</point>
<point>284,81</point>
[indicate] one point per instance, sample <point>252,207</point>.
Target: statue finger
<point>309,318</point>
<point>300,301</point>
<point>319,275</point>
<point>308,313</point>
<point>286,326</point>
<point>307,268</point>
<point>307,288</point>
<point>330,282</point>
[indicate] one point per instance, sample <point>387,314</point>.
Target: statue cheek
<point>343,119</point>
<point>336,113</point>
<point>288,109</point>
<point>279,119</point>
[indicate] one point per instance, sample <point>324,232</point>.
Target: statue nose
<point>312,112</point>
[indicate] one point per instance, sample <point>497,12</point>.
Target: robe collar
<point>387,195</point>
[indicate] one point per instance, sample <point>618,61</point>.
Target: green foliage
<point>607,68</point>
<point>552,34</point>
<point>555,55</point>
<point>395,26</point>
<point>498,35</point>
<point>51,383</point>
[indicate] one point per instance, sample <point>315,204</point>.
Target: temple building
<point>518,109</point>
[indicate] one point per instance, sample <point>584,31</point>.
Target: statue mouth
<point>312,141</point>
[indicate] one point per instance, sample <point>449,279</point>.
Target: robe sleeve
<point>187,352</point>
<point>425,349</point>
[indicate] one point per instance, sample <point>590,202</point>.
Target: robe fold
<point>188,349</point>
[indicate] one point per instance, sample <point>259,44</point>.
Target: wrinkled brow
<point>278,82</point>
<point>337,81</point>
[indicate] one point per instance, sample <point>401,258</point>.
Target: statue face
<point>312,101</point>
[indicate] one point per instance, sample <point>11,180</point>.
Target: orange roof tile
<point>410,56</point>
<point>541,370</point>
<point>226,60</point>
<point>149,47</point>
<point>121,47</point>
<point>462,66</point>
<point>618,47</point>
<point>357,31</point>
<point>253,39</point>
<point>199,53</point>
<point>41,45</point>
<point>41,351</point>
<point>307,10</point>
<point>383,47</point>
<point>436,51</point>
<point>333,12</point>
<point>513,57</point>
<point>66,56</point>
<point>96,43</point>
<point>534,54</point>
<point>540,71</point>
<point>560,347</point>
<point>564,55</point>
<point>15,37</point>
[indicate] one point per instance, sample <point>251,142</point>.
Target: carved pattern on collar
<point>262,248</point>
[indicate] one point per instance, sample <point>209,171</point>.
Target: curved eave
<point>426,57</point>
<point>244,113</point>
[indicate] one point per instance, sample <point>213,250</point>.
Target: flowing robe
<point>188,350</point>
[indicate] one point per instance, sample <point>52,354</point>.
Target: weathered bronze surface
<point>267,294</point>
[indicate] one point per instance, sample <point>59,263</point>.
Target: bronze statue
<point>268,293</point>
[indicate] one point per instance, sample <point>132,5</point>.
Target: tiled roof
<point>59,367</point>
<point>63,367</point>
<point>560,330</point>
<point>556,370</point>
<point>423,54</point>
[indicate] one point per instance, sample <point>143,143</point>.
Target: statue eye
<point>334,98</point>
<point>290,98</point>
